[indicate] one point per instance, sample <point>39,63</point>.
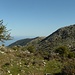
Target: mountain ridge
<point>26,41</point>
<point>62,36</point>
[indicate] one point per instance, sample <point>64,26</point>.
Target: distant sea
<point>15,38</point>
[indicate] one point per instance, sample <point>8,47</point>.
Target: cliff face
<point>63,36</point>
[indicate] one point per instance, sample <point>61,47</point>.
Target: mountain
<point>34,56</point>
<point>35,41</point>
<point>64,36</point>
<point>27,41</point>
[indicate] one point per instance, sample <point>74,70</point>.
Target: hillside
<point>21,42</point>
<point>27,41</point>
<point>20,61</point>
<point>41,56</point>
<point>64,36</point>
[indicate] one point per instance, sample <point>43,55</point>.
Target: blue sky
<point>36,17</point>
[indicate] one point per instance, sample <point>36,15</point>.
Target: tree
<point>4,33</point>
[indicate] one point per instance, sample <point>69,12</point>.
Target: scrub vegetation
<point>53,55</point>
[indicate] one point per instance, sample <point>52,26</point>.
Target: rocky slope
<point>64,36</point>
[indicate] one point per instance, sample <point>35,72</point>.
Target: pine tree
<point>4,33</point>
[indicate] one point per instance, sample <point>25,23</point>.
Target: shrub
<point>31,49</point>
<point>69,68</point>
<point>71,55</point>
<point>63,51</point>
<point>53,66</point>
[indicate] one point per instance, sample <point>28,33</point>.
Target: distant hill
<point>64,36</point>
<point>27,41</point>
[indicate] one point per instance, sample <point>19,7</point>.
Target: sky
<point>30,18</point>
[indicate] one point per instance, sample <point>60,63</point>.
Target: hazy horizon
<point>16,38</point>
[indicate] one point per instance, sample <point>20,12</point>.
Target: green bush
<point>63,51</point>
<point>69,68</point>
<point>71,55</point>
<point>31,49</point>
<point>53,66</point>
